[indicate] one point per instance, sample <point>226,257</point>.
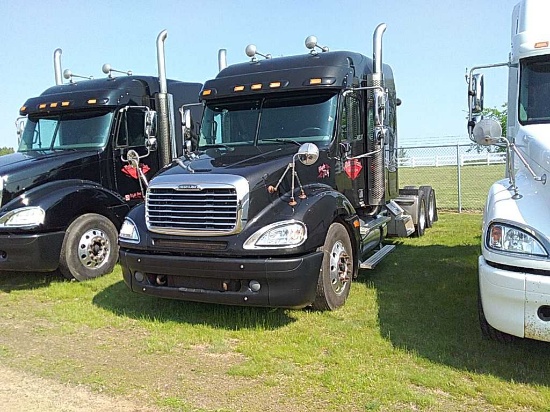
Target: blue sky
<point>428,43</point>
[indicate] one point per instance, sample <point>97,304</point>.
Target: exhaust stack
<point>165,131</point>
<point>222,59</point>
<point>57,66</point>
<point>377,50</point>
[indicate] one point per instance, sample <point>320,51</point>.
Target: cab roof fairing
<point>293,72</point>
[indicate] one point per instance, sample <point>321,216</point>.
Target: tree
<point>6,150</point>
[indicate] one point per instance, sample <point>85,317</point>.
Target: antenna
<point>107,69</point>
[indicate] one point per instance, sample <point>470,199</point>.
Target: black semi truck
<point>86,151</point>
<point>290,186</point>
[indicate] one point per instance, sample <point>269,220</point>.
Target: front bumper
<point>515,302</point>
<point>283,282</point>
<point>30,253</point>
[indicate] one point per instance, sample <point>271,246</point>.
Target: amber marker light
<point>238,88</point>
<point>53,105</point>
<point>207,92</point>
<point>274,85</point>
<point>92,101</point>
<point>541,44</point>
<point>65,104</point>
<point>256,86</point>
<point>42,106</point>
<point>23,108</point>
<point>315,81</point>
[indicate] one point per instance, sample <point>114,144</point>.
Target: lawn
<point>406,340</point>
<point>475,181</point>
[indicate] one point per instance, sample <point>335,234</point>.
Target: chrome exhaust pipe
<point>377,48</point>
<point>222,59</point>
<point>161,61</point>
<point>57,66</point>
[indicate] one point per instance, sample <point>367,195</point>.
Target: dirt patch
<point>21,391</point>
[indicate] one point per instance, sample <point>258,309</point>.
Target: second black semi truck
<point>86,151</point>
<point>289,187</point>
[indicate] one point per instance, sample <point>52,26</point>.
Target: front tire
<point>336,272</point>
<point>487,331</point>
<point>90,248</point>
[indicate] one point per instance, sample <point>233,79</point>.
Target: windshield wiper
<point>281,141</point>
<point>216,146</point>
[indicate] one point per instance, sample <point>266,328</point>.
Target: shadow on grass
<point>427,297</point>
<point>12,281</point>
<point>118,299</point>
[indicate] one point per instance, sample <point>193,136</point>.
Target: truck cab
<point>514,287</point>
<point>86,151</point>
<point>283,195</point>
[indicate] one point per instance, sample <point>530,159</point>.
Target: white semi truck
<point>514,267</point>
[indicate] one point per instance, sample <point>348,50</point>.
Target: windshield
<point>534,91</point>
<point>267,120</point>
<point>77,130</point>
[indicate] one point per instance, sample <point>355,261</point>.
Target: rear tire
<point>336,272</point>
<point>431,206</point>
<point>90,248</point>
<point>421,216</point>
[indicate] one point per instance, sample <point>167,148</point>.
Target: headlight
<point>23,217</point>
<point>506,238</point>
<point>286,234</point>
<point>128,231</point>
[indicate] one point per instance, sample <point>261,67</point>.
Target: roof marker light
<point>92,101</point>
<point>238,88</point>
<point>256,86</point>
<point>315,81</point>
<point>23,108</point>
<point>53,104</point>
<point>42,106</point>
<point>65,104</point>
<point>541,44</point>
<point>274,85</point>
<point>207,92</point>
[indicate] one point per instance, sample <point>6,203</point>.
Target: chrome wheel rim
<point>94,248</point>
<point>340,268</point>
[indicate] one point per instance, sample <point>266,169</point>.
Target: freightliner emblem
<point>194,188</point>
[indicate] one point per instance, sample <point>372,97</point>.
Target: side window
<point>130,130</point>
<point>350,125</point>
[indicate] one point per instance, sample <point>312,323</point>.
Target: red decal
<point>324,171</point>
<point>353,168</point>
<point>132,172</point>
<point>136,195</point>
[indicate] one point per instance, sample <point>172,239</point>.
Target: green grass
<point>475,181</point>
<point>407,339</point>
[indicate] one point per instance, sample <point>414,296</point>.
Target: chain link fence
<point>460,175</point>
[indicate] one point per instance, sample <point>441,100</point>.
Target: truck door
<point>351,170</point>
<point>129,135</point>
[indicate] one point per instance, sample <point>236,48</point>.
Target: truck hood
<point>255,163</point>
<point>22,171</point>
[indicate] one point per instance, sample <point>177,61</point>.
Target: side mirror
<point>20,126</point>
<point>190,138</point>
<point>487,132</point>
<point>476,93</point>
<point>150,126</point>
<point>308,153</point>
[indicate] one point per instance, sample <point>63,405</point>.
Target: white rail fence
<point>461,159</point>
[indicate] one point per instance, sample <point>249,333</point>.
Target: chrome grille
<point>205,208</point>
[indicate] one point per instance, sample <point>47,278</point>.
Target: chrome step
<point>372,261</point>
